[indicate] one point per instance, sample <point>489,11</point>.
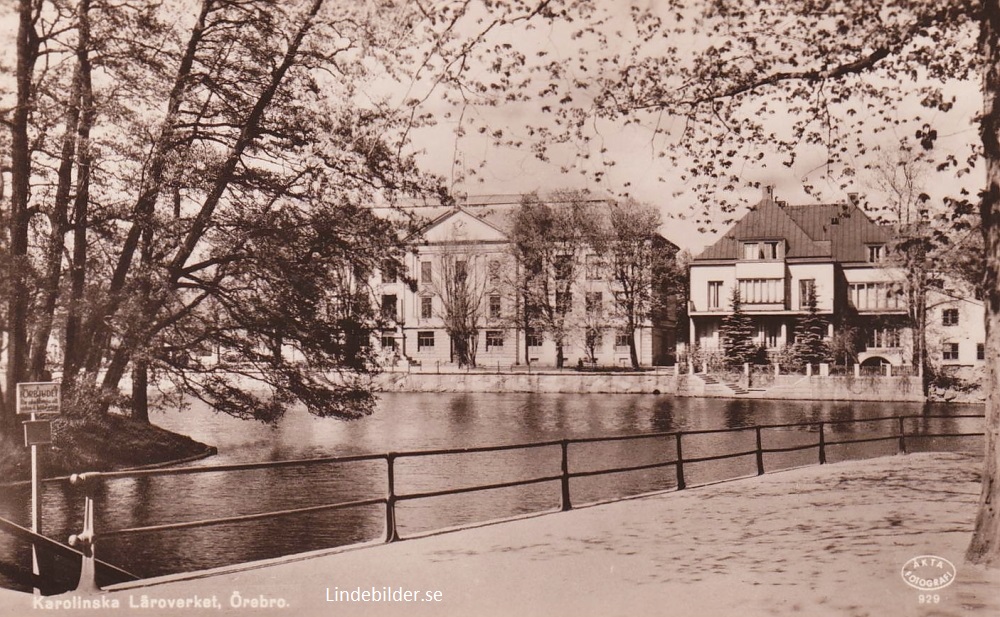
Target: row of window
<point>594,268</point>
<point>594,305</point>
<point>876,296</point>
<point>495,339</point>
<point>862,296</point>
<point>774,250</point>
<point>949,351</point>
<point>760,291</point>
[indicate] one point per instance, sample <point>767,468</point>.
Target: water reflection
<point>406,422</point>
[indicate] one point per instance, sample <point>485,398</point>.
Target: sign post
<point>34,398</point>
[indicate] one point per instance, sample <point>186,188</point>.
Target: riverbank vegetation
<point>101,443</point>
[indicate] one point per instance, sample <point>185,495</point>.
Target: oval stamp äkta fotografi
<point>928,573</point>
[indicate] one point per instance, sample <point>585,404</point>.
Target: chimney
<point>768,192</point>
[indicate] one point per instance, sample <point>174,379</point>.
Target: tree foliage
<point>640,263</point>
<point>736,333</point>
<point>189,175</point>
<point>810,345</point>
<point>549,243</point>
<point>462,284</point>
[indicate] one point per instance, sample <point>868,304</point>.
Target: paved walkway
<point>824,540</point>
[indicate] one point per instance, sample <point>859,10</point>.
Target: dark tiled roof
<point>835,231</point>
<point>852,231</point>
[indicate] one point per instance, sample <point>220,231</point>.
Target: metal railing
<point>59,564</point>
<point>392,497</point>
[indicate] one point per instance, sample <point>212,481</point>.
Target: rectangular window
<point>389,271</point>
<point>563,300</point>
<point>949,351</point>
<point>494,339</point>
<point>807,289</point>
<point>594,303</point>
<point>388,341</point>
<point>594,266</point>
<point>621,339</point>
<point>949,317</point>
<point>495,306</point>
<point>389,307</point>
<point>876,296</point>
<point>769,250</point>
<point>762,291</point>
<point>426,307</point>
<point>714,295</point>
<point>533,338</point>
<point>876,253</point>
<point>883,338</point>
<point>980,351</point>
<point>425,272</point>
<point>425,340</point>
<point>461,271</point>
<point>563,267</point>
<point>494,271</point>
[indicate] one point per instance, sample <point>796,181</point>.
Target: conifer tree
<point>810,347</point>
<point>737,333</point>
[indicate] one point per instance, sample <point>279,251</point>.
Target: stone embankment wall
<point>834,388</point>
<point>849,388</point>
<point>661,382</point>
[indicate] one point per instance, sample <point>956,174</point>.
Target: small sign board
<point>38,397</point>
<point>37,432</point>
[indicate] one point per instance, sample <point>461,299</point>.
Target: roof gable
<point>766,220</point>
<point>840,232</point>
<point>457,225</point>
<point>845,226</point>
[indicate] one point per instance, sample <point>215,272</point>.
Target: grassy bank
<point>100,444</point>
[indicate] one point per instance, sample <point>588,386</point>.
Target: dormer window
<point>764,250</point>
<point>877,253</point>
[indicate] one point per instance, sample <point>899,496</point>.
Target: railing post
<point>902,435</point>
<point>566,503</point>
<point>681,485</point>
<point>822,444</point>
<point>85,539</point>
<point>391,535</point>
<point>760,454</point>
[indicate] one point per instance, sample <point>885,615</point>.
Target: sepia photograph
<point>500,308</point>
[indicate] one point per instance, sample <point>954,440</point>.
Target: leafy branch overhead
<point>198,177</point>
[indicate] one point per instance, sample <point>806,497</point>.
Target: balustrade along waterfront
<point>158,521</point>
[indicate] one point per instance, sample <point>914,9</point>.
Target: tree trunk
<point>59,216</point>
<point>17,303</point>
<point>985,545</point>
<point>96,335</point>
<point>632,351</point>
<point>140,388</point>
<point>81,203</point>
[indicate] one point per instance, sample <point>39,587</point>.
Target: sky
<point>471,162</point>
<point>639,172</point>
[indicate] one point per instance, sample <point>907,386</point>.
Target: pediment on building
<point>459,226</point>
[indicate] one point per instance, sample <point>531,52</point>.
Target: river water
<point>405,422</point>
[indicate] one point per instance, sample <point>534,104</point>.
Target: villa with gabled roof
<point>778,252</point>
